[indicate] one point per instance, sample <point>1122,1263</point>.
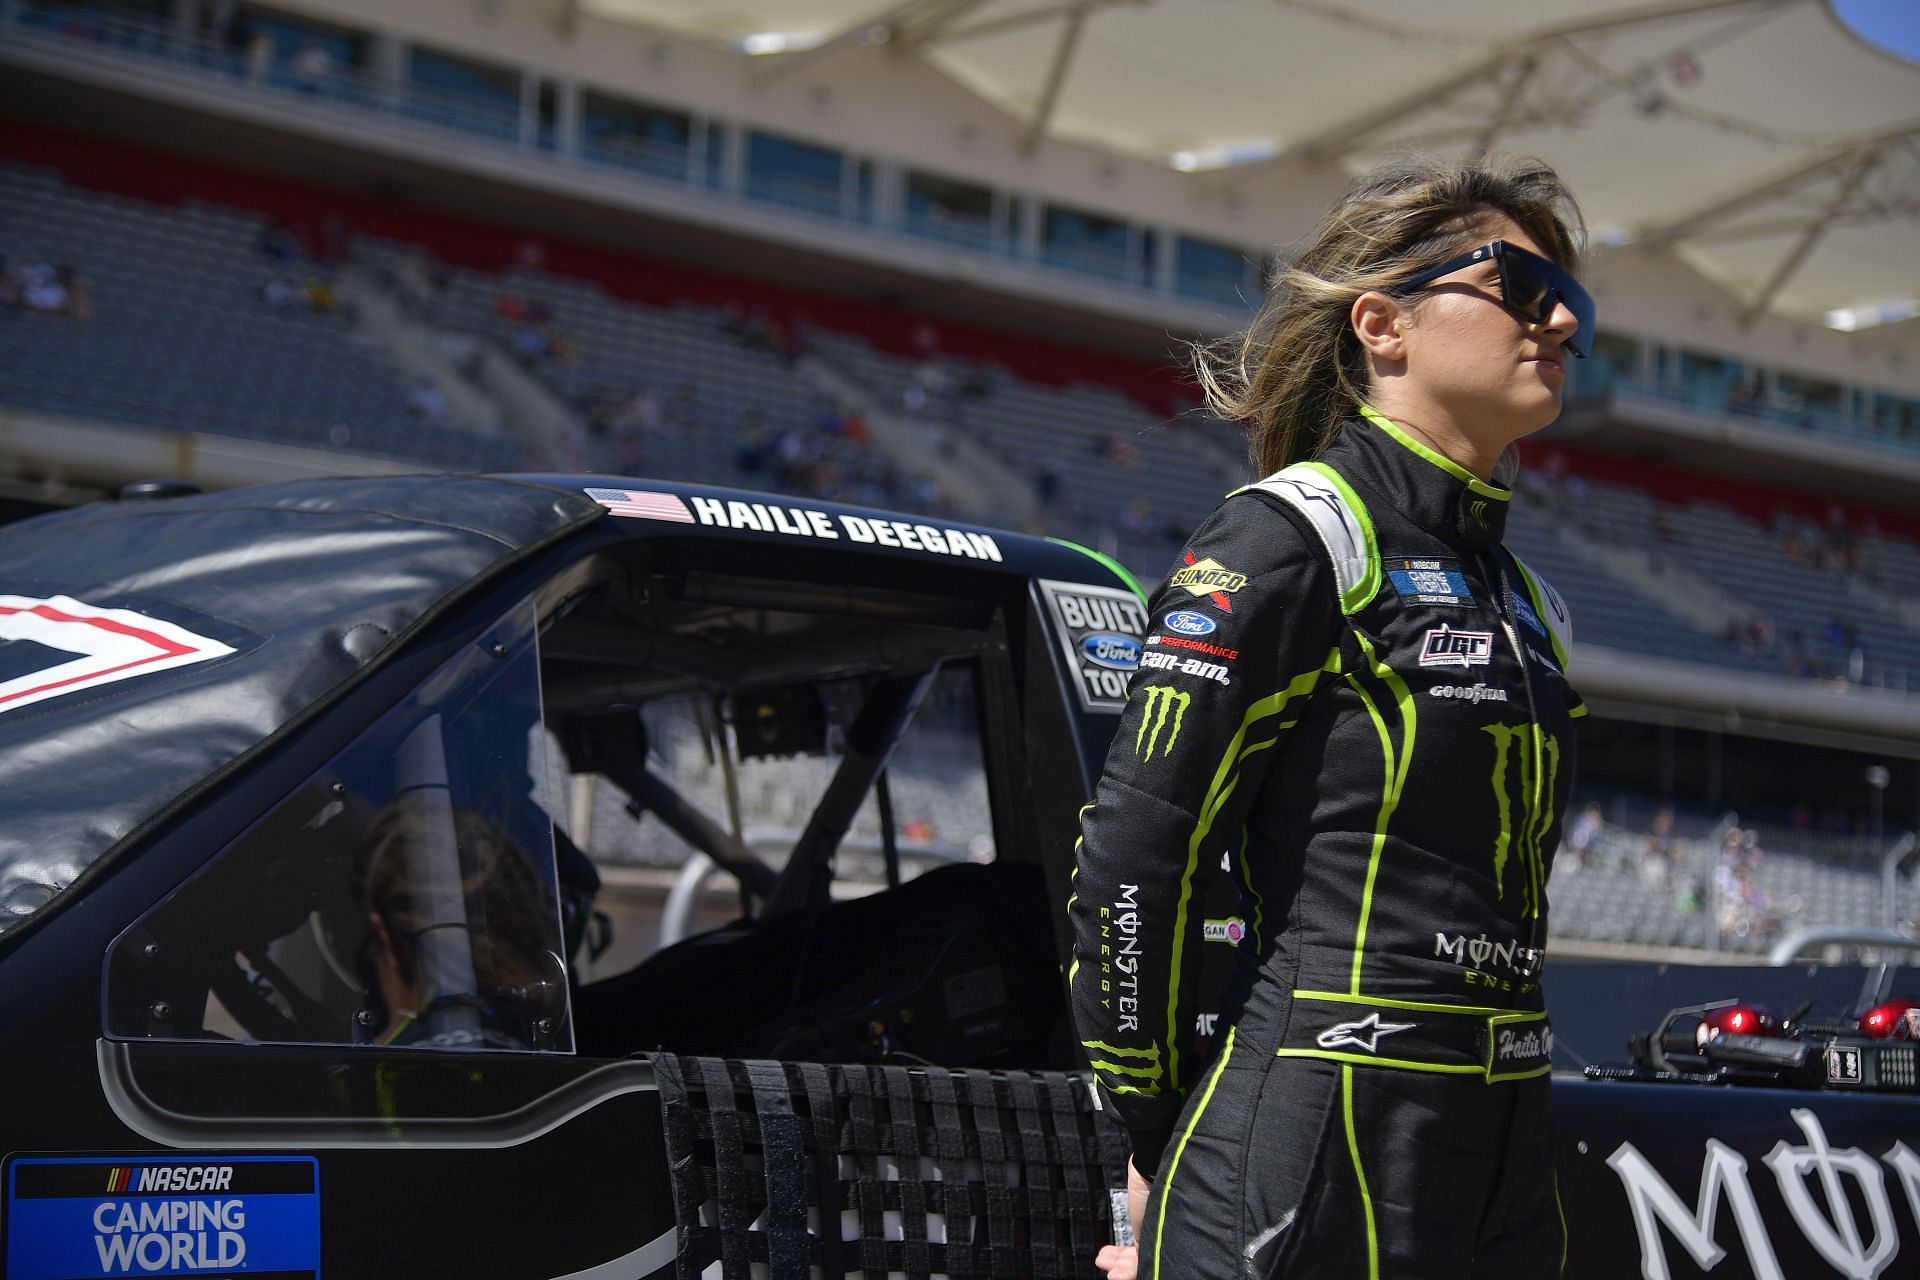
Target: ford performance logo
<point>1121,653</point>
<point>1188,623</point>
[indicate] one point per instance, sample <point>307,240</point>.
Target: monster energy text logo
<point>1539,773</point>
<point>1153,718</point>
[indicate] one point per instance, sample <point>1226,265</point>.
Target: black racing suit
<point>1374,736</point>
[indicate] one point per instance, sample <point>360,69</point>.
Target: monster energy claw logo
<point>1539,756</point>
<point>1160,701</point>
<point>1478,510</point>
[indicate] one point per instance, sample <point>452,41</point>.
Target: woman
<point>1357,697</point>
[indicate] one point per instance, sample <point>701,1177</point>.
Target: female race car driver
<point>1357,696</point>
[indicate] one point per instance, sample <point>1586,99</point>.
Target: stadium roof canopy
<point>1762,140</point>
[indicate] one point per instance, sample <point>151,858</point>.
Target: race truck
<point>608,878</point>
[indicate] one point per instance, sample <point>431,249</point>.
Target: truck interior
<point>690,795</point>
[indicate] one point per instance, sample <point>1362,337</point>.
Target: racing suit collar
<point>1429,488</point>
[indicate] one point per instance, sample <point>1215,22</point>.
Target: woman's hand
<point>1122,1261</point>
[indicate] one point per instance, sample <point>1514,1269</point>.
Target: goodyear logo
<point>1205,577</point>
<point>1161,705</point>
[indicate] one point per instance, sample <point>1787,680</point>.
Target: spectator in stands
<point>529,344</point>
<point>1046,488</point>
<point>259,57</point>
<point>281,244</point>
<point>1751,632</point>
<point>278,292</point>
<point>1656,855</point>
<point>230,32</point>
<point>682,410</point>
<point>312,67</point>
<point>41,289</point>
<point>426,401</point>
<point>1137,520</point>
<point>321,296</point>
<point>1117,449</point>
<point>1581,837</point>
<point>79,296</point>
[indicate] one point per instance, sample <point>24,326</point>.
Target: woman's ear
<point>1380,323</point>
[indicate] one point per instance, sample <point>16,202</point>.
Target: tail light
<point>1892,1020</point>
<point>1739,1020</point>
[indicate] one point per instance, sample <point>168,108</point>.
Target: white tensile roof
<point>1765,142</point>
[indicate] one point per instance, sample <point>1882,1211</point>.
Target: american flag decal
<point>644,504</point>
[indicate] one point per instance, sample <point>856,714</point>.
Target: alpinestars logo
<point>1161,704</point>
<point>1364,1034</point>
<point>1446,647</point>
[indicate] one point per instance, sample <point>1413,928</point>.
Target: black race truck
<point>574,877</point>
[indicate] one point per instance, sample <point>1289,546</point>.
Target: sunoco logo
<point>1120,653</point>
<point>1205,577</point>
<point>1188,623</point>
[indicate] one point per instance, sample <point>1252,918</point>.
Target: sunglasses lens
<point>1533,287</point>
<point>1527,291</point>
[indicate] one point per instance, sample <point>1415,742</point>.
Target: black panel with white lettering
<point>1100,631</point>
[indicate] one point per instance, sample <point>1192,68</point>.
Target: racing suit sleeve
<point>1239,636</point>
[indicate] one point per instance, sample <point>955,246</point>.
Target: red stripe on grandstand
<point>328,218</point>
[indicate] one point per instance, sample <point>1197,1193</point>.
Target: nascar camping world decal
<point>56,646</point>
<point>173,1216</point>
<point>1100,630</point>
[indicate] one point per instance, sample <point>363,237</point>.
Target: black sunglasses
<point>1530,287</point>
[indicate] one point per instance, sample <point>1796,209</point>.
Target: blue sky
<point>1891,24</point>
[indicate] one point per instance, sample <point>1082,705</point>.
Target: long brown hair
<point>1297,372</point>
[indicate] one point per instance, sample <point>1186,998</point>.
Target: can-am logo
<point>1188,623</point>
<point>1117,652</point>
<point>1446,647</point>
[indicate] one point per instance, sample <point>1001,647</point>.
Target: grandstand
<point>923,272</point>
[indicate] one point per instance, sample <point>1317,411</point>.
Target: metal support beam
<point>1056,76</point>
<point>925,28</point>
<point>1353,132</point>
<point>859,32</point>
<point>1522,75</point>
<point>1815,232</point>
<point>1779,184</point>
<point>1012,22</point>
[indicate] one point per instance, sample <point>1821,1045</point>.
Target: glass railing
<point>1216,286</point>
<point>808,195</point>
<point>946,227</point>
<point>1722,396</point>
<point>650,159</point>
